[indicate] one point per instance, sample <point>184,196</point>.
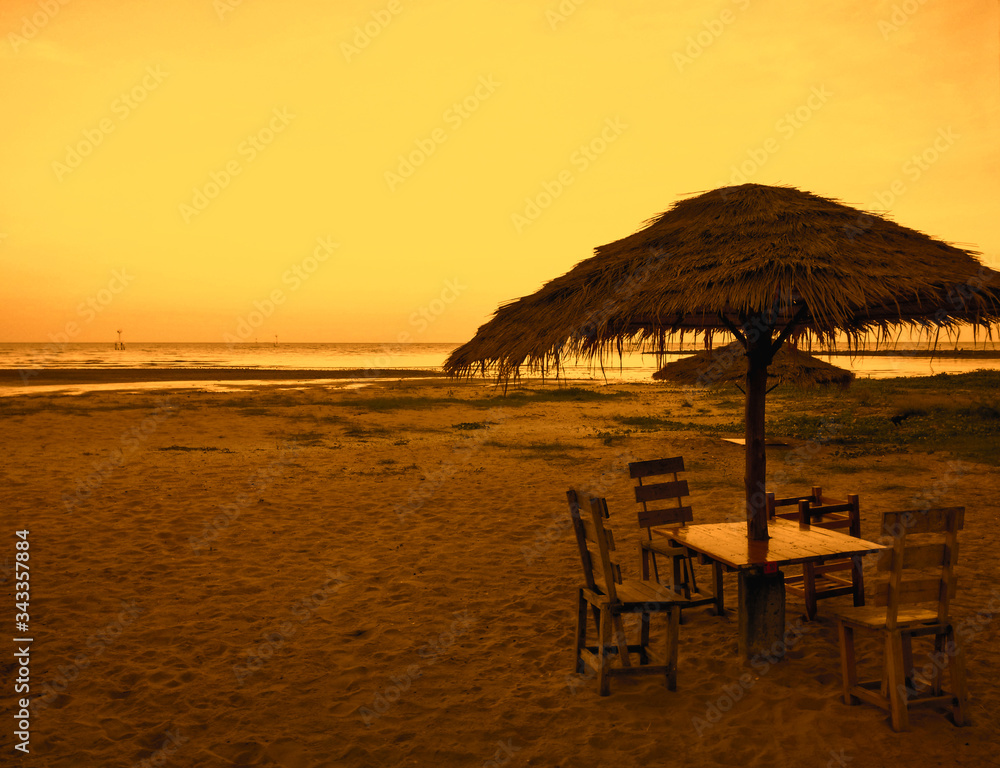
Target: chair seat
<point>637,596</point>
<point>874,617</point>
<point>648,593</point>
<point>662,546</point>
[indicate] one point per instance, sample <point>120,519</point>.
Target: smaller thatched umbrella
<point>728,365</point>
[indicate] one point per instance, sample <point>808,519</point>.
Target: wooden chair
<point>672,512</point>
<point>817,582</point>
<point>610,597</point>
<point>914,602</point>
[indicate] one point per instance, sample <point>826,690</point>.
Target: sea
<point>906,359</point>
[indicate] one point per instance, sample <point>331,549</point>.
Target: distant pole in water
<point>119,344</point>
<point>275,339</point>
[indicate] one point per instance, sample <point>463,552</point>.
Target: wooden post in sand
<point>761,613</point>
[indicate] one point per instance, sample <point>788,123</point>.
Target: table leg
<point>761,613</point>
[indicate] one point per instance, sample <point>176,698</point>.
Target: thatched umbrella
<point>728,365</point>
<point>762,263</point>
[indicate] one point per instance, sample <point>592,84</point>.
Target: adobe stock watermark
<point>581,159</point>
<point>35,23</point>
<point>504,752</point>
<point>430,653</point>
<point>364,34</point>
<point>785,128</point>
<point>293,277</point>
<point>462,454</point>
<point>421,319</point>
<point>259,482</point>
<point>453,117</point>
<point>223,8</point>
<point>249,150</point>
<point>274,640</point>
<point>129,443</point>
<point>172,741</point>
<point>557,15</point>
<point>562,523</point>
<point>913,169</point>
<point>734,692</point>
<point>427,315</point>
<point>97,644</point>
<point>711,31</point>
<point>901,14</point>
<point>87,310</point>
<point>121,109</point>
<point>92,306</point>
<point>917,165</point>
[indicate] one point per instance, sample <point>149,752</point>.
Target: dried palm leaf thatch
<point>728,365</point>
<point>734,258</point>
<point>765,264</point>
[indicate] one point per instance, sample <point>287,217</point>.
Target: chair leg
<point>603,660</point>
<point>643,638</point>
<point>809,588</point>
<point>897,681</point>
<point>692,580</point>
<point>956,670</point>
<point>848,662</point>
<point>621,640</point>
<point>906,643</point>
<point>678,577</point>
<point>858,580</point>
<point>937,663</point>
<point>673,643</point>
<point>720,607</point>
<point>581,631</point>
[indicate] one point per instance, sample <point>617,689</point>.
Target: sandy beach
<point>318,575</point>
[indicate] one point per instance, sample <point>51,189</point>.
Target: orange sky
<point>203,170</point>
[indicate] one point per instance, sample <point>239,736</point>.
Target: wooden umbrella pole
<point>758,357</point>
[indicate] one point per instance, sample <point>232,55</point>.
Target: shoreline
<point>985,354</point>
<point>45,376</point>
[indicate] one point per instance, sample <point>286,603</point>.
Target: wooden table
<point>761,586</point>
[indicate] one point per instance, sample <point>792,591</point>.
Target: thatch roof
<point>726,258</point>
<point>728,365</point>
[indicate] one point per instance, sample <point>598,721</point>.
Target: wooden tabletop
<point>789,544</point>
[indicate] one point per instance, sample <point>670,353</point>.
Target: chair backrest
<point>792,501</point>
<point>921,562</point>
<point>824,512</point>
<point>601,569</point>
<point>662,495</point>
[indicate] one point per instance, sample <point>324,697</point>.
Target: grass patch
<point>360,432</point>
<point>842,468</point>
<point>386,467</point>
<point>561,395</point>
<point>651,423</point>
<point>957,413</point>
<point>303,438</point>
<point>194,448</point>
<point>554,451</point>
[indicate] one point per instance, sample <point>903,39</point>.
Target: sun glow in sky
<point>204,170</point>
